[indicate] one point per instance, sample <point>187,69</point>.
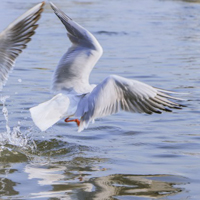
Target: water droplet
<point>14,137</point>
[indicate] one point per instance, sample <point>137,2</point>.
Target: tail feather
<point>48,113</point>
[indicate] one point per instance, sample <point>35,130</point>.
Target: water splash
<point>14,136</point>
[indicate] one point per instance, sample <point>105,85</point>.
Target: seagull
<point>77,98</point>
<point>14,39</point>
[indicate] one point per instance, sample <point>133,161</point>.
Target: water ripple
<point>110,33</point>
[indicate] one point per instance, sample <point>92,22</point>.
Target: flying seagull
<point>79,99</point>
<point>14,39</point>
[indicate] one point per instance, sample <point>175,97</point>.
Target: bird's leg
<point>73,120</point>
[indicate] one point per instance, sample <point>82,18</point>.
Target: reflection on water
<point>6,185</point>
<point>152,186</point>
<point>58,177</point>
<point>100,188</point>
<point>45,176</point>
<point>75,175</point>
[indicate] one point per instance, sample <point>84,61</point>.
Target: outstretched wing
<point>14,38</point>
<point>76,64</point>
<point>117,93</point>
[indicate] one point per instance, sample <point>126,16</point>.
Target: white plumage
<point>78,98</point>
<point>14,39</point>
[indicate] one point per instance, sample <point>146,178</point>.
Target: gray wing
<point>116,93</point>
<point>76,64</point>
<point>14,38</point>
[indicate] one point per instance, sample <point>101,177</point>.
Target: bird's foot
<point>73,120</point>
